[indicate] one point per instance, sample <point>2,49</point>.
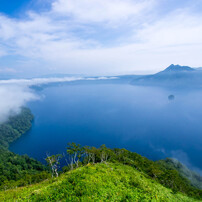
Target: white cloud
<point>183,158</point>
<point>73,37</point>
<point>101,10</point>
<point>7,70</point>
<point>12,98</point>
<point>38,81</point>
<point>179,28</point>
<point>15,93</point>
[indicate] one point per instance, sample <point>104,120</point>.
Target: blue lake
<point>140,119</point>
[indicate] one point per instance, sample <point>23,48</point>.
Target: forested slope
<point>16,170</point>
<point>15,127</point>
<point>173,164</point>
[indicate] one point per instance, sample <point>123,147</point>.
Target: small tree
<point>75,152</point>
<point>121,154</point>
<point>71,154</point>
<point>104,153</point>
<point>53,162</point>
<point>90,154</point>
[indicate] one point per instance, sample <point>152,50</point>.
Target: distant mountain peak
<point>174,68</point>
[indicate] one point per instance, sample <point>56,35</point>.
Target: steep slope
<point>99,182</point>
<point>15,126</point>
<point>194,178</point>
<point>17,170</point>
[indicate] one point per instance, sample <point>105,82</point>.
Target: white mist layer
<point>15,93</point>
<point>39,81</point>
<point>13,97</point>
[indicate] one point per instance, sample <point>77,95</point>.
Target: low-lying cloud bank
<point>15,93</point>
<point>12,98</point>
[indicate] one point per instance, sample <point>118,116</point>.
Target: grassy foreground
<point>99,182</point>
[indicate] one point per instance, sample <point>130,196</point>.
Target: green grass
<point>99,182</point>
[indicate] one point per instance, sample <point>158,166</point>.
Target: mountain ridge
<point>172,76</point>
<point>173,68</point>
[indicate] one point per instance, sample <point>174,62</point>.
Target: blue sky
<point>12,7</point>
<point>98,37</point>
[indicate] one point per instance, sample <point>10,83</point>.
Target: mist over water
<point>141,119</point>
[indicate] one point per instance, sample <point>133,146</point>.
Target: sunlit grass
<point>99,182</point>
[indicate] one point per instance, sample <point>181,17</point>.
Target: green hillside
<point>17,170</point>
<point>99,182</point>
<point>173,164</point>
<point>15,126</point>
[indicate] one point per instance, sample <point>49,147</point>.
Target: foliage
<point>98,182</point>
<point>54,162</point>
<point>15,127</point>
<point>173,164</point>
<point>167,177</point>
<point>75,152</point>
<point>16,170</point>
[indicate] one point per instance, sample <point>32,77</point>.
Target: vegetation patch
<point>16,170</point>
<point>98,182</point>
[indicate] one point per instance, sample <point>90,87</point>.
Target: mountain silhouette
<point>174,75</point>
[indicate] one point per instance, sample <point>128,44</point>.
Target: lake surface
<point>140,119</point>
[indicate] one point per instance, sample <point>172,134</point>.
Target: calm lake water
<point>140,119</point>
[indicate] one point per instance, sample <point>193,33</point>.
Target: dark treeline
<point>80,156</point>
<point>16,170</point>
